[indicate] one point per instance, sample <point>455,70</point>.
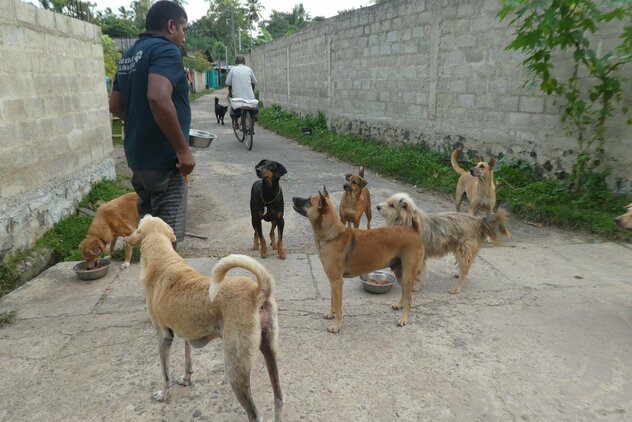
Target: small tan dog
<point>625,221</point>
<point>116,218</point>
<point>356,200</point>
<point>182,302</point>
<point>443,233</point>
<point>349,252</point>
<point>477,184</point>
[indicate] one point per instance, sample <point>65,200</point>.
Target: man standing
<point>151,95</point>
<point>241,84</point>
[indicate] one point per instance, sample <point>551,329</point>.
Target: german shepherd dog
<point>220,111</point>
<point>182,302</point>
<point>450,232</point>
<point>349,252</point>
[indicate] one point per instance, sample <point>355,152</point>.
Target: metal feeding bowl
<point>99,270</point>
<point>200,138</point>
<point>379,282</point>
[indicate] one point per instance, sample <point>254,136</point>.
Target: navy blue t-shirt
<point>146,146</point>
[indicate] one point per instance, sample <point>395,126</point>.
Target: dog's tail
<point>264,278</point>
<point>455,163</point>
<point>495,223</point>
<point>361,172</point>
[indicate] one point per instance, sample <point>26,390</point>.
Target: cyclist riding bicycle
<point>241,82</point>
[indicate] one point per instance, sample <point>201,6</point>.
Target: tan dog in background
<point>625,221</point>
<point>349,252</point>
<point>183,302</point>
<point>443,233</point>
<point>356,200</point>
<point>477,184</point>
<point>116,218</point>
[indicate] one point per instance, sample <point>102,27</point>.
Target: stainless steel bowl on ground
<point>101,269</point>
<point>379,282</point>
<point>200,138</point>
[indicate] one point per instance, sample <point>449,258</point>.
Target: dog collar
<point>275,198</point>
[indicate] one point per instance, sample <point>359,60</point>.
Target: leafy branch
<point>591,95</point>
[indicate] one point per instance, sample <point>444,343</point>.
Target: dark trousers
<point>162,193</point>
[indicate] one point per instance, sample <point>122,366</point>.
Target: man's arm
<point>117,106</point>
<point>230,91</point>
<point>159,90</point>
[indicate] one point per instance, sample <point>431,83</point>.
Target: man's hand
<point>186,163</point>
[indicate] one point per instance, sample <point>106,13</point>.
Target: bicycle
<point>244,131</point>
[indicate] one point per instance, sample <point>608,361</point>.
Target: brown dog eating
<point>116,218</point>
<point>356,200</point>
<point>183,302</point>
<point>349,252</point>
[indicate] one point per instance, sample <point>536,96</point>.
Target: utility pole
<point>240,40</point>
<point>232,30</point>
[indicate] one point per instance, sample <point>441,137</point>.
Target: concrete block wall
<point>55,135</point>
<point>433,71</point>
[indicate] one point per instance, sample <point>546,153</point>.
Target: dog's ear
<point>363,183</point>
<point>491,163</point>
<point>280,170</point>
<point>325,191</point>
<point>172,235</point>
<point>322,203</point>
<point>347,176</point>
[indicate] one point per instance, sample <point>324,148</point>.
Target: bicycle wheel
<point>239,134</point>
<point>248,129</point>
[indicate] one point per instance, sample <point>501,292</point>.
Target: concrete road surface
<point>541,332</point>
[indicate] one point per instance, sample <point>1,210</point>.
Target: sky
<point>197,8</point>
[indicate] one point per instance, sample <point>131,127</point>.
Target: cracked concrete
<point>542,330</point>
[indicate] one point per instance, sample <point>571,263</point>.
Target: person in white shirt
<point>241,82</point>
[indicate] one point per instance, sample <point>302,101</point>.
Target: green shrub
<point>533,198</point>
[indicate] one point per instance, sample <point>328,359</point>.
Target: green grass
<point>65,236</point>
<point>117,126</point>
<point>6,317</point>
<point>195,95</point>
<point>532,198</point>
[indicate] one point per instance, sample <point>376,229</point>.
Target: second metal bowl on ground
<point>379,282</point>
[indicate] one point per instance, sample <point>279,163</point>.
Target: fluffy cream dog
<point>443,233</point>
<point>182,302</point>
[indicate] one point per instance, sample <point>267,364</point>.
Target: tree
<point>592,94</point>
<point>254,9</point>
<point>116,27</point>
<point>223,20</point>
<point>282,23</point>
<point>78,9</point>
<point>111,56</point>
